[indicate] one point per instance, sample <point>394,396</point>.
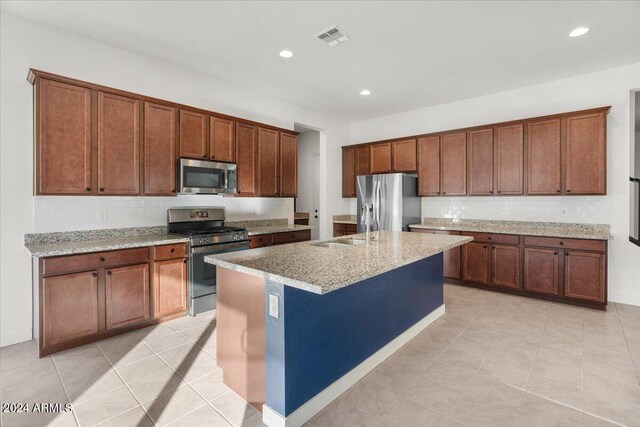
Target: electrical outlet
<point>274,306</point>
<point>102,216</point>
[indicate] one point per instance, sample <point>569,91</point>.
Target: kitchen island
<point>299,324</point>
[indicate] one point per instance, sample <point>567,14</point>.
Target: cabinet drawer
<point>351,228</point>
<point>504,239</point>
<point>557,242</point>
<point>290,237</point>
<point>72,263</point>
<point>178,250</point>
<point>260,241</point>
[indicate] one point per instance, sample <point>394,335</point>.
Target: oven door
<point>202,274</point>
<point>202,177</point>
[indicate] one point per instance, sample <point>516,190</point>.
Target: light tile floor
<point>492,360</point>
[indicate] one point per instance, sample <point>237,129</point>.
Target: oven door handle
<point>220,248</point>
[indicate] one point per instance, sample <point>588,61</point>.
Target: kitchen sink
<point>332,245</point>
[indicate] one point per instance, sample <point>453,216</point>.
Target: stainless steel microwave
<point>203,177</point>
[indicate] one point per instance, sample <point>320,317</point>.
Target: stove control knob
<point>202,241</point>
<point>210,240</point>
<point>235,237</point>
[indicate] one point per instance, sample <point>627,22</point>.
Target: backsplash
<point>582,209</point>
<point>56,213</point>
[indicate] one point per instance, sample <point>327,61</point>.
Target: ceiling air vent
<point>333,36</point>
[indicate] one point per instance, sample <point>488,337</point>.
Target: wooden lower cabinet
<point>451,259</point>
<point>69,307</point>
<point>262,240</point>
<point>585,275</point>
<point>87,297</point>
<point>541,268</point>
<point>127,295</point>
<point>505,266</point>
<point>170,294</point>
<point>475,262</point>
<point>340,229</point>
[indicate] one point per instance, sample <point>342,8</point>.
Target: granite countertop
<point>321,270</point>
<point>269,229</point>
<point>345,219</point>
<point>527,228</point>
<point>54,244</point>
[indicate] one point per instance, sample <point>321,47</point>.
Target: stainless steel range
<point>208,235</point>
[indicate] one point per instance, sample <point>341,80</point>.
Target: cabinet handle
<point>94,274</point>
<point>101,188</point>
<point>489,238</point>
<point>566,254</point>
<point>173,190</point>
<point>88,189</point>
<point>108,273</point>
<point>444,192</point>
<point>213,156</point>
<point>101,259</point>
<point>561,243</point>
<point>499,191</point>
<point>555,253</point>
<point>568,191</point>
<point>557,191</point>
<point>485,246</point>
<point>185,261</point>
<point>173,250</point>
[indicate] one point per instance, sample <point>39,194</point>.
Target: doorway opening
<point>308,200</point>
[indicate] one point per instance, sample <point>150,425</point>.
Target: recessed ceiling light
<point>365,92</point>
<point>286,53</point>
<point>580,31</point>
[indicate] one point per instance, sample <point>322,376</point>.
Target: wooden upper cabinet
<point>69,307</point>
<point>246,146</point>
<point>544,159</point>
<point>454,164</point>
<point>221,140</point>
<point>118,145</point>
<point>429,166</point>
<point>585,275</point>
<point>541,270</point>
<point>288,165</point>
<point>169,287</point>
<point>267,163</point>
<point>404,156</point>
<point>505,266</point>
<point>509,160</point>
<point>126,295</point>
<point>362,161</point>
<point>348,172</point>
<point>380,157</point>
<point>585,154</point>
<point>194,128</point>
<point>159,149</point>
<point>63,139</point>
<point>480,162</point>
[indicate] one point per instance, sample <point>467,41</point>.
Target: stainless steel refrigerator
<point>390,200</point>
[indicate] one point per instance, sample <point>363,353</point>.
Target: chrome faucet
<point>367,210</point>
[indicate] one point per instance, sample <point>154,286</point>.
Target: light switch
<point>274,306</point>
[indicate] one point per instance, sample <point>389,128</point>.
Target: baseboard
<point>16,337</point>
<point>320,401</point>
<point>625,299</point>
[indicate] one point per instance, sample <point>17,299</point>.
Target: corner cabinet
<point>87,297</point>
<point>348,172</point>
<point>288,165</point>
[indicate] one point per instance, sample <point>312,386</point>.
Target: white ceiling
<point>409,54</point>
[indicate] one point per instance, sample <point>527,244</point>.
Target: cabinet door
<point>69,307</point>
<point>541,270</point>
<point>159,149</point>
<point>362,160</point>
<point>193,134</point>
<point>348,172</point>
<point>267,162</point>
<point>429,166</point>
<point>451,257</point>
<point>169,287</point>
<point>505,266</point>
<point>246,158</point>
<point>481,162</point>
<point>475,262</point>
<point>509,160</point>
<point>584,275</point>
<point>118,145</point>
<point>404,156</point>
<point>127,295</point>
<point>585,154</point>
<point>288,165</point>
<point>63,139</point>
<point>380,157</point>
<point>543,163</point>
<point>454,164</point>
<point>221,140</point>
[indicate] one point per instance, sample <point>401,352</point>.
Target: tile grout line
<point>73,408</point>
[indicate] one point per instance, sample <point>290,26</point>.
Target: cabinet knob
<point>173,250</point>
<point>101,259</point>
<point>557,191</point>
<point>568,191</point>
<point>566,254</point>
<point>94,274</point>
<point>489,238</point>
<point>555,253</point>
<point>185,261</point>
<point>484,246</point>
<point>101,188</point>
<point>173,190</point>
<point>561,243</point>
<point>444,192</point>
<point>88,189</point>
<point>108,273</point>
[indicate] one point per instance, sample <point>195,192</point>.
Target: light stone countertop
<point>526,228</point>
<point>345,219</point>
<point>99,245</point>
<point>321,270</point>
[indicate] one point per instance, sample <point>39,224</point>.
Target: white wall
<point>610,87</point>
<point>25,45</point>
